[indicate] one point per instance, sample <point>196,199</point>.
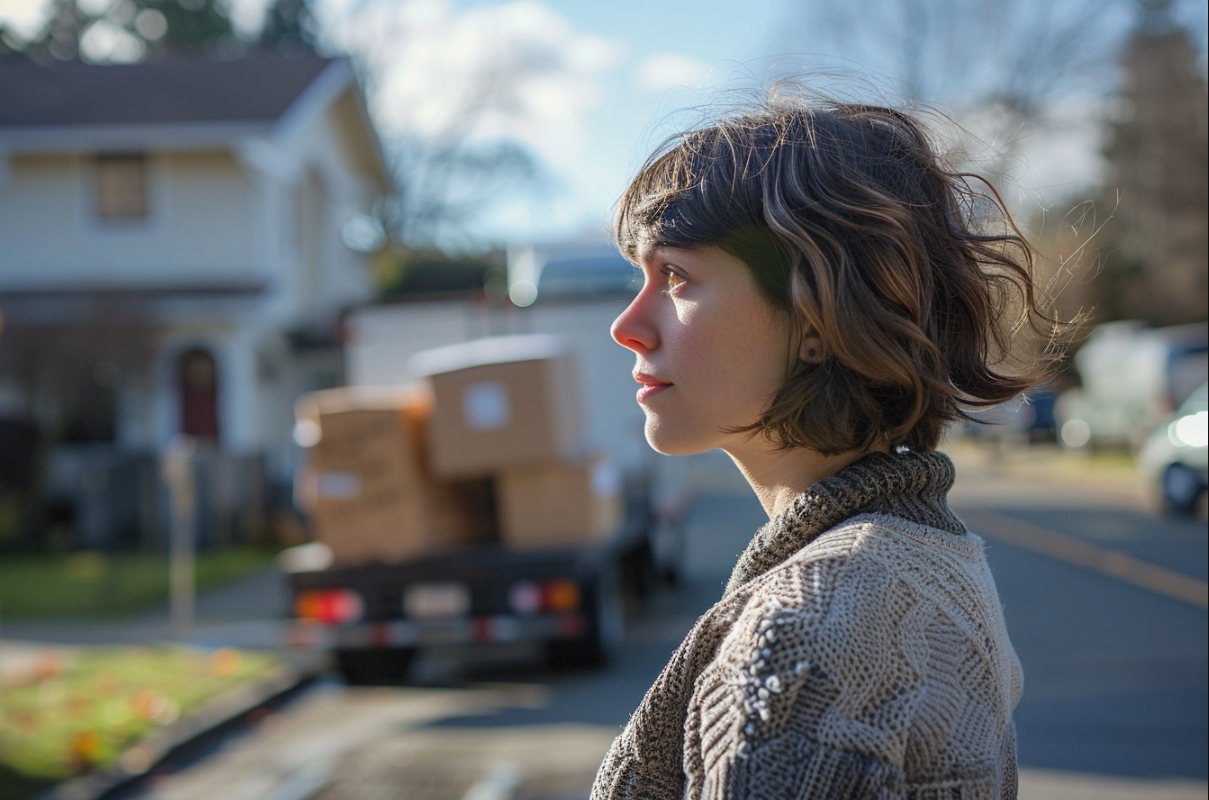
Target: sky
<point>589,88</point>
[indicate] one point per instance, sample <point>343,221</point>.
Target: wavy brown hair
<point>911,273</point>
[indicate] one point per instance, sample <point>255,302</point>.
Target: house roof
<point>172,90</point>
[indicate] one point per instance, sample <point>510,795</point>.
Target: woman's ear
<point>811,350</point>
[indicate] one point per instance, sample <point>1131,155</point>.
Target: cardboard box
<point>560,505</point>
<point>500,403</point>
<point>366,488</point>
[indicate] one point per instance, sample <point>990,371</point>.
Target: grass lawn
<point>92,583</point>
<point>72,713</point>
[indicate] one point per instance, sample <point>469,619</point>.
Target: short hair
<point>850,220</point>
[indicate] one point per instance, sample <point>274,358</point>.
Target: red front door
<point>198,380</point>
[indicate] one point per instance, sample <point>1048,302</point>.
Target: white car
<point>1177,455</point>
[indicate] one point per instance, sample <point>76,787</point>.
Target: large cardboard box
<point>560,505</point>
<point>366,487</point>
<point>500,402</point>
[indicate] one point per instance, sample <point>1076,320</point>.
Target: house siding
<point>191,196</point>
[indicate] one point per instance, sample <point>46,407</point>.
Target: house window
<point>122,187</point>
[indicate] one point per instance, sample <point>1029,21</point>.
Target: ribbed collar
<point>909,485</point>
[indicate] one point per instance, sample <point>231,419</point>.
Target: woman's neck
<point>778,476</point>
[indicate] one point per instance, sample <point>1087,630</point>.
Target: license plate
<point>436,600</point>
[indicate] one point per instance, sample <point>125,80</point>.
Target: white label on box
<point>337,485</point>
<point>606,478</point>
<point>485,406</point>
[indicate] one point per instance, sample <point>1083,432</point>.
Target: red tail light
<point>329,606</point>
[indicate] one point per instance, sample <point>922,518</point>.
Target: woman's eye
<point>674,280</point>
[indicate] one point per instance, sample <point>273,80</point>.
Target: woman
<point>822,296</point>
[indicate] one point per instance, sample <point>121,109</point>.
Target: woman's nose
<point>633,329</point>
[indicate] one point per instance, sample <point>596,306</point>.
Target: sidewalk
<point>1045,475</point>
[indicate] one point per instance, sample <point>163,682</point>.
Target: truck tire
<point>377,666</point>
<point>605,617</point>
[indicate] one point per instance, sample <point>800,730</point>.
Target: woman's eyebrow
<point>648,257</point>
<point>666,252</point>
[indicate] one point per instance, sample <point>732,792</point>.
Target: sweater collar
<point>909,485</point>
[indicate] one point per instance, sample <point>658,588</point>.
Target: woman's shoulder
<point>852,571</point>
<point>878,536</point>
<point>868,583</point>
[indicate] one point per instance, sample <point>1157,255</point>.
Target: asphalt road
<point>1115,675</point>
<point>1115,705</point>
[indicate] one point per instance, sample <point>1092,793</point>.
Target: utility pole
<point>177,469</point>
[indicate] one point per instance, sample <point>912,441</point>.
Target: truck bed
<point>488,574</point>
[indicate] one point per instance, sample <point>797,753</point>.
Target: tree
<point>446,182</point>
<point>132,30</point>
<point>449,176</point>
<point>1018,55</point>
<point>1157,267</point>
<point>289,26</point>
<point>457,95</point>
<point>1006,70</point>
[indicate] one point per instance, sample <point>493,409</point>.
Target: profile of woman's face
<point>710,351</point>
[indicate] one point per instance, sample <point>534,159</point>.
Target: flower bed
<point>70,713</point>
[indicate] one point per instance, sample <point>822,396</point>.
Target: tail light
<point>329,606</point>
<point>532,597</point>
<point>561,595</point>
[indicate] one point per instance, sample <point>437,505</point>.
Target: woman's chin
<point>673,440</point>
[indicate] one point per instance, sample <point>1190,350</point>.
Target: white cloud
<point>664,71</point>
<point>516,70</point>
<point>592,54</point>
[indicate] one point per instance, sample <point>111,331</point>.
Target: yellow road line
<point>1113,563</point>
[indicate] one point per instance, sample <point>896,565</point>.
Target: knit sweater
<point>859,651</point>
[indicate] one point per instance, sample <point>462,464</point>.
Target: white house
<point>176,228</point>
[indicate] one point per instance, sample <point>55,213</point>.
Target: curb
<point>227,709</point>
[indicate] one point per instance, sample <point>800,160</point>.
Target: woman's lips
<point>650,386</point>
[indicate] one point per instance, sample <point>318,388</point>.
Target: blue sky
<point>716,34</point>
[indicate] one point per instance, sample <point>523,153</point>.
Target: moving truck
<point>494,489</point>
<point>577,302</point>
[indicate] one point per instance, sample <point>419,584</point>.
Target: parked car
<point>1133,378</point>
<point>1177,457</point>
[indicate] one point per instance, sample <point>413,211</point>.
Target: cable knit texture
<point>859,651</point>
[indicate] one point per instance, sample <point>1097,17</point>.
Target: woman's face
<point>711,351</point>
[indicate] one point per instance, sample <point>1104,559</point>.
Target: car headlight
<point>1190,430</point>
